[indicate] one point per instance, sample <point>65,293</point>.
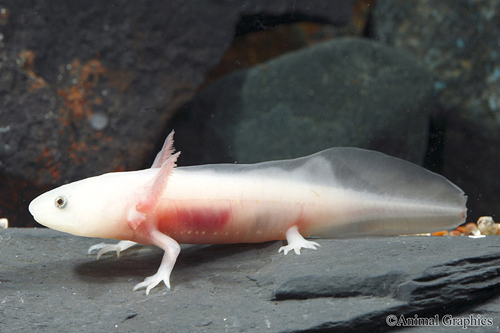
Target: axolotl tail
<point>384,195</point>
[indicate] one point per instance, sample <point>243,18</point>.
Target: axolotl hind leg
<point>296,241</point>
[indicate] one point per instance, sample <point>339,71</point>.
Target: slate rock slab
<point>48,282</point>
<point>344,92</point>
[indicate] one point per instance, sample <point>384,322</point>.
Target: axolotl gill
<point>338,192</point>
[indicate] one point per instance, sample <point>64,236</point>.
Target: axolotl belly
<point>339,192</point>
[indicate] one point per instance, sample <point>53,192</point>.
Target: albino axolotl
<point>338,192</point>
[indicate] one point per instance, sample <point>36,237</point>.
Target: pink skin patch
<point>195,219</point>
<point>202,219</point>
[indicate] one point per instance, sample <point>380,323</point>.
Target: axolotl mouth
<point>35,208</point>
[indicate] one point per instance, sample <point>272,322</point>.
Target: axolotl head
<point>92,207</point>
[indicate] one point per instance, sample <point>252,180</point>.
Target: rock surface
<point>47,282</point>
<point>344,92</point>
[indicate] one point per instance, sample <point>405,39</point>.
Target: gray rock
<point>47,282</point>
<point>455,39</point>
<point>345,92</point>
<point>458,42</point>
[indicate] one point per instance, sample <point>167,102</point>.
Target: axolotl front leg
<point>169,245</point>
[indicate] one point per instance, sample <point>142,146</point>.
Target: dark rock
<point>455,40</point>
<point>254,47</point>
<point>87,88</point>
<point>47,281</point>
<point>314,286</point>
<point>477,276</point>
<point>344,92</point>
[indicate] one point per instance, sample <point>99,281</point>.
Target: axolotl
<point>338,192</point>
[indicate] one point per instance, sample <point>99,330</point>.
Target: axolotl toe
<point>338,192</point>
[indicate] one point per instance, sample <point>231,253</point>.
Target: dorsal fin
<point>166,151</point>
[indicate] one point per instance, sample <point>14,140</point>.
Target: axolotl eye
<point>61,201</point>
